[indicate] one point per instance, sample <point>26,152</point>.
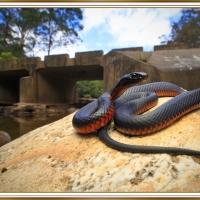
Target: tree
<point>59,27</point>
<point>7,56</point>
<point>27,30</point>
<point>16,25</point>
<point>5,16</point>
<point>186,30</point>
<point>26,22</point>
<point>90,89</point>
<point>6,28</point>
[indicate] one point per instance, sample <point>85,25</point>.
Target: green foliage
<point>7,56</point>
<point>186,30</point>
<point>90,89</point>
<point>9,39</point>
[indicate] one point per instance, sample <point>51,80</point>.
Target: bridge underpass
<point>10,85</point>
<point>58,84</point>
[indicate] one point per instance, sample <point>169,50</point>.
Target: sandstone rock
<point>54,158</point>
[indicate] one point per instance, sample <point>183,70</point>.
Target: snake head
<point>126,82</point>
<point>138,77</point>
<point>132,79</point>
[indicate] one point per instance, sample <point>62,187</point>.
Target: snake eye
<point>137,76</point>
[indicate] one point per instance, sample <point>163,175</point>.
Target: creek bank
<point>82,163</point>
<point>24,109</point>
<point>31,109</point>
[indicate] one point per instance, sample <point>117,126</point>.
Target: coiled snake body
<point>125,105</point>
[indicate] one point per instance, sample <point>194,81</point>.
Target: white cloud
<point>131,26</point>
<point>168,12</point>
<point>94,17</point>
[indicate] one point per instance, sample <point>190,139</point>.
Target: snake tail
<point>106,139</point>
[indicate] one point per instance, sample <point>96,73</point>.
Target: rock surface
<point>54,158</point>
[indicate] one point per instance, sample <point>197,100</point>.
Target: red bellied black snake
<point>126,101</point>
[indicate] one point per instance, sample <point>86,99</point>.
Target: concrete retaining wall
<point>181,67</point>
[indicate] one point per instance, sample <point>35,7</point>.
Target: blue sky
<point>109,28</point>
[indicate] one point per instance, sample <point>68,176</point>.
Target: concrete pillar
<point>71,94</point>
<point>27,90</point>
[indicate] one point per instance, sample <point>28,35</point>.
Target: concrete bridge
<point>53,81</point>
